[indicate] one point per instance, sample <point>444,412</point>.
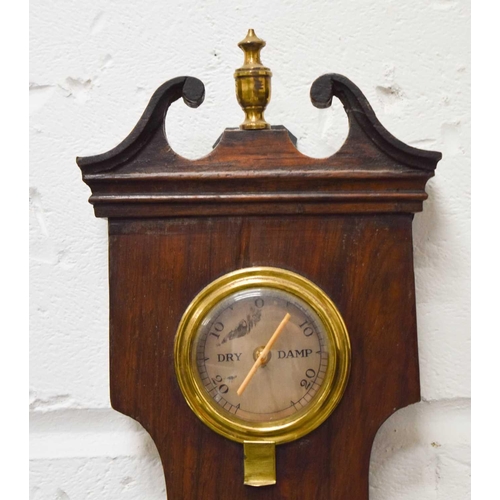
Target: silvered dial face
<point>233,334</point>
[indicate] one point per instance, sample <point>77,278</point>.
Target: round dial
<point>233,335</point>
<point>262,354</point>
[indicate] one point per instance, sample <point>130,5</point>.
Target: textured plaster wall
<point>94,65</point>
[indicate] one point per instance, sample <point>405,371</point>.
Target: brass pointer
<point>263,354</point>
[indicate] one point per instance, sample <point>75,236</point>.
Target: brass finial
<point>253,83</point>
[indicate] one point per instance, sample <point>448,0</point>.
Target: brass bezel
<point>289,428</point>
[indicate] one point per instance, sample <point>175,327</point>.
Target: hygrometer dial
<point>262,353</point>
<point>233,335</point>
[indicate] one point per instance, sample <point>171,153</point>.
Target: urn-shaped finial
<point>253,83</point>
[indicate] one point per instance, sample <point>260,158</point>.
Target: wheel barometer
<point>262,303</point>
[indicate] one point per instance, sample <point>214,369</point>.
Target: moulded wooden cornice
<point>258,172</point>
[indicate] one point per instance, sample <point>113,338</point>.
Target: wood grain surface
<point>363,263</point>
<point>343,222</point>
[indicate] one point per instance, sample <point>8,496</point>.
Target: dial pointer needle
<point>263,354</point>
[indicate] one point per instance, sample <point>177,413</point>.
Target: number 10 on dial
<point>262,357</point>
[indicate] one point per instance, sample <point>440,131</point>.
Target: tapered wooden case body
<point>343,222</point>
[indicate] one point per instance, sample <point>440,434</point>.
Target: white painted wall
<point>95,64</point>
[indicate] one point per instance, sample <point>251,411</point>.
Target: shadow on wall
<point>421,450</point>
